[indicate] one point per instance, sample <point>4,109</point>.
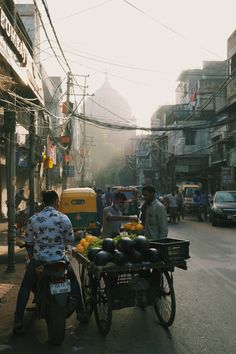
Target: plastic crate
<point>171,249</point>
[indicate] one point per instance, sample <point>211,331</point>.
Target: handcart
<point>112,287</point>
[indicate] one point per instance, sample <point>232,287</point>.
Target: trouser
<point>29,283</point>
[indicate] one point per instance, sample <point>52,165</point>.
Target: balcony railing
<point>216,156</point>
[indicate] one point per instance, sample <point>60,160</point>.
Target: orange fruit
<point>127,227</point>
<point>83,242</point>
<point>80,248</point>
<point>139,227</point>
<point>89,238</point>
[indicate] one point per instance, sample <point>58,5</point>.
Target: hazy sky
<point>116,32</point>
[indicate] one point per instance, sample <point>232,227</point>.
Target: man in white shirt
<point>173,207</point>
<point>156,226</point>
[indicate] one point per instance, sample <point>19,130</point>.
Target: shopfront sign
<point>9,32</point>
<point>16,54</point>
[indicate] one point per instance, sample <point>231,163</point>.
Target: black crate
<point>171,249</point>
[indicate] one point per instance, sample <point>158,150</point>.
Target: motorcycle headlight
<point>218,210</point>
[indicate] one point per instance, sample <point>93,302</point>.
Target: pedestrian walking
<point>156,226</point>
<point>173,207</point>
<point>19,197</point>
<point>180,204</point>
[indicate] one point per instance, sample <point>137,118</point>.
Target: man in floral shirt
<point>49,231</point>
<point>47,235</point>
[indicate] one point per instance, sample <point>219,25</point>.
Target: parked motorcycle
<point>53,299</point>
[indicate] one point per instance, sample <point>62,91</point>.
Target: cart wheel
<point>103,306</point>
<point>165,305</point>
<point>86,283</point>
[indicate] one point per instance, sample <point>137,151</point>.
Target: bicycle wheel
<point>103,306</point>
<point>165,305</point>
<point>86,287</point>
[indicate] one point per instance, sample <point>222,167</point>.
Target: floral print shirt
<point>49,232</point>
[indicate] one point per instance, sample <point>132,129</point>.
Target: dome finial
<point>106,76</point>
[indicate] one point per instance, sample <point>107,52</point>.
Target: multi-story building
<point>20,72</point>
<point>223,139</point>
<point>183,152</point>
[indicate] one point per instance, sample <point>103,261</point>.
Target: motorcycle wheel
<point>56,322</point>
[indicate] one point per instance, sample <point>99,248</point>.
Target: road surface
<point>206,311</point>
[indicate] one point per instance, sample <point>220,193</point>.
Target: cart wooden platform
<point>108,288</point>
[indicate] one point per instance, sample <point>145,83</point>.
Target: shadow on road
<point>133,332</point>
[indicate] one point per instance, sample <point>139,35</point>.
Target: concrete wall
<point>32,24</point>
<point>231,45</point>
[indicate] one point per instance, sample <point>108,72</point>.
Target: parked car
<point>223,208</point>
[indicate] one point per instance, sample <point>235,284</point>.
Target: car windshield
<point>189,192</point>
<point>225,197</point>
<point>129,194</point>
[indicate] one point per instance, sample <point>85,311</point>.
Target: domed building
<point>111,146</point>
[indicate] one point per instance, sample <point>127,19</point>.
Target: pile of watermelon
<point>122,250</point>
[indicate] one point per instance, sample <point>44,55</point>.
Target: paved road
<point>206,311</point>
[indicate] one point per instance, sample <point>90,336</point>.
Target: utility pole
<point>68,87</point>
<point>84,145</point>
<point>10,129</point>
<point>32,163</point>
<point>84,137</point>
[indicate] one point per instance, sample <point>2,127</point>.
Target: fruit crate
<point>171,249</point>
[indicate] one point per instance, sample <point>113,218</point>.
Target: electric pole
<point>32,162</point>
<point>10,129</point>
<point>84,145</point>
<point>68,87</point>
<point>84,138</point>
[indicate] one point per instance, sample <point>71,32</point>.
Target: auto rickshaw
<point>79,204</point>
<point>131,206</point>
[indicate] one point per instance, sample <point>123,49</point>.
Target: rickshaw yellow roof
<point>81,191</point>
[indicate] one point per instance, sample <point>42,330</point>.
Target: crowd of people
<point>50,231</point>
<point>174,204</point>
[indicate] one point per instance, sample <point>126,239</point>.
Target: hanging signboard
<point>65,139</point>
